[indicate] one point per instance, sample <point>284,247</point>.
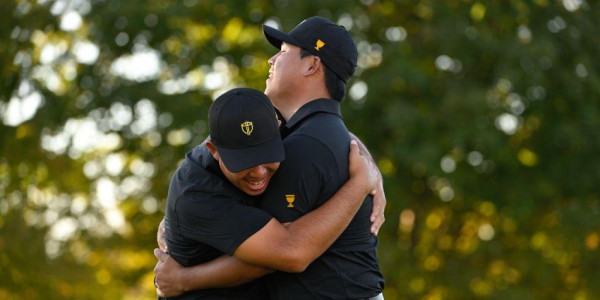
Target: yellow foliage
<point>232,30</point>
<point>103,276</point>
<point>198,34</point>
<point>478,11</point>
<point>487,208</point>
<point>481,287</point>
<point>386,8</point>
<point>527,157</point>
<point>539,240</point>
<point>424,11</point>
<point>23,131</point>
<point>445,242</point>
<point>592,241</point>
<point>434,220</point>
<point>130,260</point>
<point>417,284</point>
<point>432,263</point>
<point>386,166</point>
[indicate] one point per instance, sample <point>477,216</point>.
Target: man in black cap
<point>307,83</point>
<point>210,208</point>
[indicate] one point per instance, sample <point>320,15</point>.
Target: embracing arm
<point>287,248</point>
<point>173,279</point>
<point>379,200</point>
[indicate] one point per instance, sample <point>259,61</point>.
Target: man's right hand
<point>167,275</point>
<point>362,170</point>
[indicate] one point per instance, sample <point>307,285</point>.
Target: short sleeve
<point>218,220</point>
<point>303,181</point>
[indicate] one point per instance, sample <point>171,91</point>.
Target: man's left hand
<point>160,236</point>
<point>167,273</point>
<point>379,202</point>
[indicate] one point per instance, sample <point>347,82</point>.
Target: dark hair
<point>334,84</point>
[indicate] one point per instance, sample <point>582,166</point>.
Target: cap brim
<point>237,160</point>
<point>276,37</point>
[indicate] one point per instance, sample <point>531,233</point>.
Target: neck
<point>289,105</point>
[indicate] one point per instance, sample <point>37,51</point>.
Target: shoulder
<point>199,204</point>
<point>323,122</point>
<point>306,149</point>
<point>327,128</point>
<point>322,136</point>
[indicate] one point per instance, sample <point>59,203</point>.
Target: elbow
<point>295,262</point>
<point>294,267</point>
<point>298,267</point>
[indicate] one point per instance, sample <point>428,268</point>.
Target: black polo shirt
<point>207,217</point>
<point>317,146</point>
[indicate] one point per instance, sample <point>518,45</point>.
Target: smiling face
<point>252,181</point>
<point>285,73</point>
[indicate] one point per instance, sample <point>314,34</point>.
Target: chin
<point>254,193</point>
<point>268,91</point>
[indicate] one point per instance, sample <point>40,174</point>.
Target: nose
<point>259,171</point>
<point>273,58</point>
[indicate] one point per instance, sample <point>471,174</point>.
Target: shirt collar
<point>316,106</point>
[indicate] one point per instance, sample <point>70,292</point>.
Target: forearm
<point>293,248</point>
<point>225,271</point>
<point>314,232</point>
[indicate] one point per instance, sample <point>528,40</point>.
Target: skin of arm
<point>379,200</point>
<point>291,247</point>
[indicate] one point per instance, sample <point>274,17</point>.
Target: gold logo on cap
<point>320,44</point>
<point>247,127</point>
<point>290,199</point>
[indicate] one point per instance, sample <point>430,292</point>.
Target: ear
<point>314,66</point>
<point>213,149</point>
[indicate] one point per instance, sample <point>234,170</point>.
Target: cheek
<point>235,179</point>
<point>240,184</point>
<point>272,172</point>
<point>280,65</point>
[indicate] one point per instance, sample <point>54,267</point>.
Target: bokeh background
<point>483,116</point>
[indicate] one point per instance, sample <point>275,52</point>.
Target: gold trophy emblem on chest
<point>290,200</point>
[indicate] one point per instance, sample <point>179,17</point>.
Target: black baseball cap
<point>323,38</point>
<point>243,126</point>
